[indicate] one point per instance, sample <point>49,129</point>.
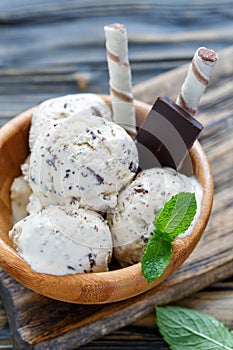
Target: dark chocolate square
<point>166,136</point>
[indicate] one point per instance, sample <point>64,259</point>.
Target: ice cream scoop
<point>19,195</point>
<point>89,168</point>
<point>63,107</point>
<point>61,240</point>
<point>132,223</point>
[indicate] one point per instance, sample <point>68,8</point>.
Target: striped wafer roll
<point>197,79</point>
<point>120,76</point>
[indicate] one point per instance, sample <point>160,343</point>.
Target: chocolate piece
<point>166,136</point>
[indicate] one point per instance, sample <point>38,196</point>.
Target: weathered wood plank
<point>218,304</point>
<point>12,10</point>
<point>76,58</point>
<point>216,300</point>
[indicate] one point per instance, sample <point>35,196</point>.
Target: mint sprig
<point>190,329</point>
<point>176,215</point>
<point>157,257</point>
<point>173,219</point>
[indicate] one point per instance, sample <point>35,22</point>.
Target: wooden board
<point>215,300</point>
<point>37,322</point>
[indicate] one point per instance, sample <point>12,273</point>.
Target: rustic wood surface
<point>161,37</point>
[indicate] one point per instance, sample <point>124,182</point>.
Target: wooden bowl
<point>93,288</point>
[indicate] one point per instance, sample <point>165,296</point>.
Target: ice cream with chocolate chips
<point>66,106</point>
<point>86,169</point>
<point>82,168</point>
<point>132,223</point>
<point>60,240</point>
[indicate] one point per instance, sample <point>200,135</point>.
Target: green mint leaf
<point>157,256</point>
<point>189,329</point>
<point>173,219</point>
<point>176,216</point>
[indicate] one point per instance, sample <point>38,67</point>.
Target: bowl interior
<point>92,288</point>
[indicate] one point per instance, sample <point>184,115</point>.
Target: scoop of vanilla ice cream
<point>132,223</point>
<point>54,144</point>
<point>63,107</point>
<point>61,240</point>
<point>19,195</point>
<point>87,169</point>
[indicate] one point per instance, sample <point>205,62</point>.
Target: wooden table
<point>162,39</point>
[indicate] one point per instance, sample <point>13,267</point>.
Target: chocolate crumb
<point>141,190</point>
<point>99,178</point>
<point>70,268</point>
<point>93,135</point>
<point>92,260</point>
<point>74,201</point>
<point>133,167</point>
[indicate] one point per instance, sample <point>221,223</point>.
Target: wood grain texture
<point>215,300</point>
<point>162,36</point>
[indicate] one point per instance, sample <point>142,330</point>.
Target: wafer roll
<point>197,79</point>
<point>120,76</point>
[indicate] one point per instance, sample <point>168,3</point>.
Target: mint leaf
<point>156,258</point>
<point>173,219</point>
<point>177,214</point>
<point>189,329</point>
